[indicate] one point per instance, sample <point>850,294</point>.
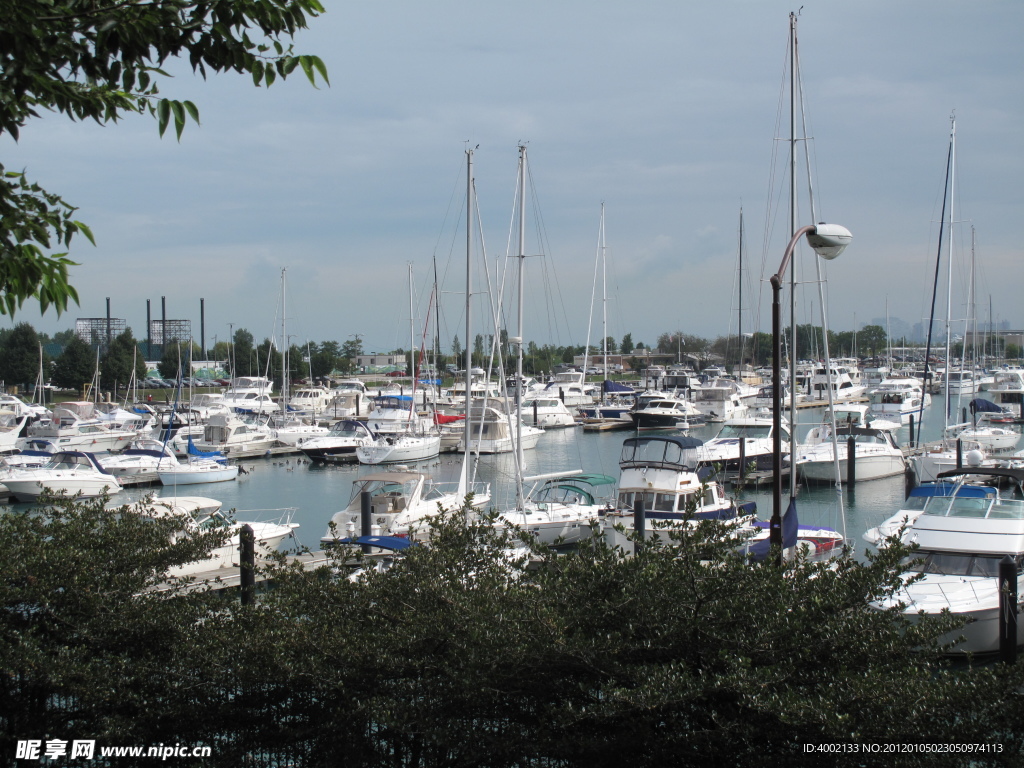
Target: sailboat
<point>559,511</point>
<point>413,444</point>
<point>954,448</point>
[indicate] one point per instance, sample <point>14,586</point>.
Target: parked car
<point>395,374</point>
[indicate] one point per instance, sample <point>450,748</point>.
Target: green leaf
<point>179,117</point>
<point>193,111</point>
<point>257,72</point>
<point>163,110</point>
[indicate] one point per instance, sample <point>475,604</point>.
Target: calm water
<point>315,493</point>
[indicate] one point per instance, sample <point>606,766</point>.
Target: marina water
<point>313,493</point>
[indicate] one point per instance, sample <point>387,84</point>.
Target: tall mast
<point>604,303</point>
<point>412,351</point>
<point>284,342</point>
<point>739,313</point>
<point>793,349</point>
<point>949,260</point>
<point>468,356</point>
<point>519,332</point>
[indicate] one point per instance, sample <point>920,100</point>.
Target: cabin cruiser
<point>546,412</point>
<point>962,535</point>
<point>750,439</point>
<point>560,509</point>
<point>74,426</point>
<point>661,473</point>
<point>396,449</point>
<point>75,473</point>
<point>141,456</point>
<point>898,398</point>
<point>311,401</point>
<point>875,452</point>
<point>292,430</point>
<point>229,433</point>
<point>251,394</point>
<point>1008,389</point>
<point>11,427</point>
<point>339,444</point>
<point>14,403</point>
<point>993,439</point>
<point>842,379</point>
<point>395,415</point>
<point>721,399</point>
<point>570,387</point>
<point>399,500</point>
<point>664,410</point>
<point>493,431</point>
<point>199,515</point>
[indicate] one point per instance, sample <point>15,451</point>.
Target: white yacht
<point>844,381</point>
<point>75,473</point>
<point>200,514</point>
<point>664,410</point>
<point>571,388</point>
<point>73,426</point>
<point>876,455</point>
<point>546,412</point>
<point>11,426</point>
<point>397,449</point>
<point>494,431</point>
<point>251,394</point>
<point>338,445</point>
<point>897,398</point>
<point>721,399</point>
<point>228,433</point>
<point>961,536</point>
<point>310,401</point>
<point>751,438</point>
<point>399,500</point>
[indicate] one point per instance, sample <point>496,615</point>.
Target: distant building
<point>377,361</point>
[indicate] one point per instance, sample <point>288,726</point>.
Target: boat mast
<point>284,342</point>
<point>739,312</point>
<point>794,349</point>
<point>466,426</point>
<point>949,260</point>
<point>604,304</point>
<point>412,352</point>
<point>519,356</point>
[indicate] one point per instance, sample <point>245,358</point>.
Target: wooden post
<point>247,561</point>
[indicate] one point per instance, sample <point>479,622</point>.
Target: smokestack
<point>163,325</point>
<point>108,322</point>
<point>149,337</point>
<point>202,326</point>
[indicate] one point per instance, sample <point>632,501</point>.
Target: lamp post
<point>828,241</point>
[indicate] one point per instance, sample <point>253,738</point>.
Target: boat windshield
<point>656,451</point>
<point>956,563</point>
<point>748,431</point>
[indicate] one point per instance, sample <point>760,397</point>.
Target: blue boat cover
<point>193,451</point>
<point>981,405</point>
<point>613,386</point>
<point>383,542</point>
<point>790,533</point>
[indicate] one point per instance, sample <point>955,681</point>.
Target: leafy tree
<point>75,366</point>
<point>872,337</point>
<point>116,365</point>
<point>19,355</point>
<point>177,359</point>
<point>627,346</point>
<point>243,359</point>
<point>610,343</point>
<point>100,61</point>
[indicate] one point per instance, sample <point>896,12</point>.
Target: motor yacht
<point>75,473</point>
<point>962,536</point>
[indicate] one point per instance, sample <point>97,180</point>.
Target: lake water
<point>315,493</point>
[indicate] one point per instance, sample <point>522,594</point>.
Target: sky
<point>669,113</point>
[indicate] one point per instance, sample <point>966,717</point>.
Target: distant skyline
<point>667,112</point>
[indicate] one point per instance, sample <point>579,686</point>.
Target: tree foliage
<point>117,365</point>
<point>75,366</point>
<point>19,355</point>
<point>100,61</point>
<point>464,654</point>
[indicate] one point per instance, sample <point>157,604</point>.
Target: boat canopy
<point>675,452</point>
<point>981,405</point>
<point>613,386</point>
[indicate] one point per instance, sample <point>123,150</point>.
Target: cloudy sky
<point>667,111</point>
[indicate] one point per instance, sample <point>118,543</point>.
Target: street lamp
<point>828,241</point>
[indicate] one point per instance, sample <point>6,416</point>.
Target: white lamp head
<point>829,240</point>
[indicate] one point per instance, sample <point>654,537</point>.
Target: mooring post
<point>247,563</point>
<point>365,518</point>
<point>1008,610</point>
<point>741,471</point>
<point>851,461</point>
<point>912,443</point>
<point>639,523</point>
<point>959,453</point>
